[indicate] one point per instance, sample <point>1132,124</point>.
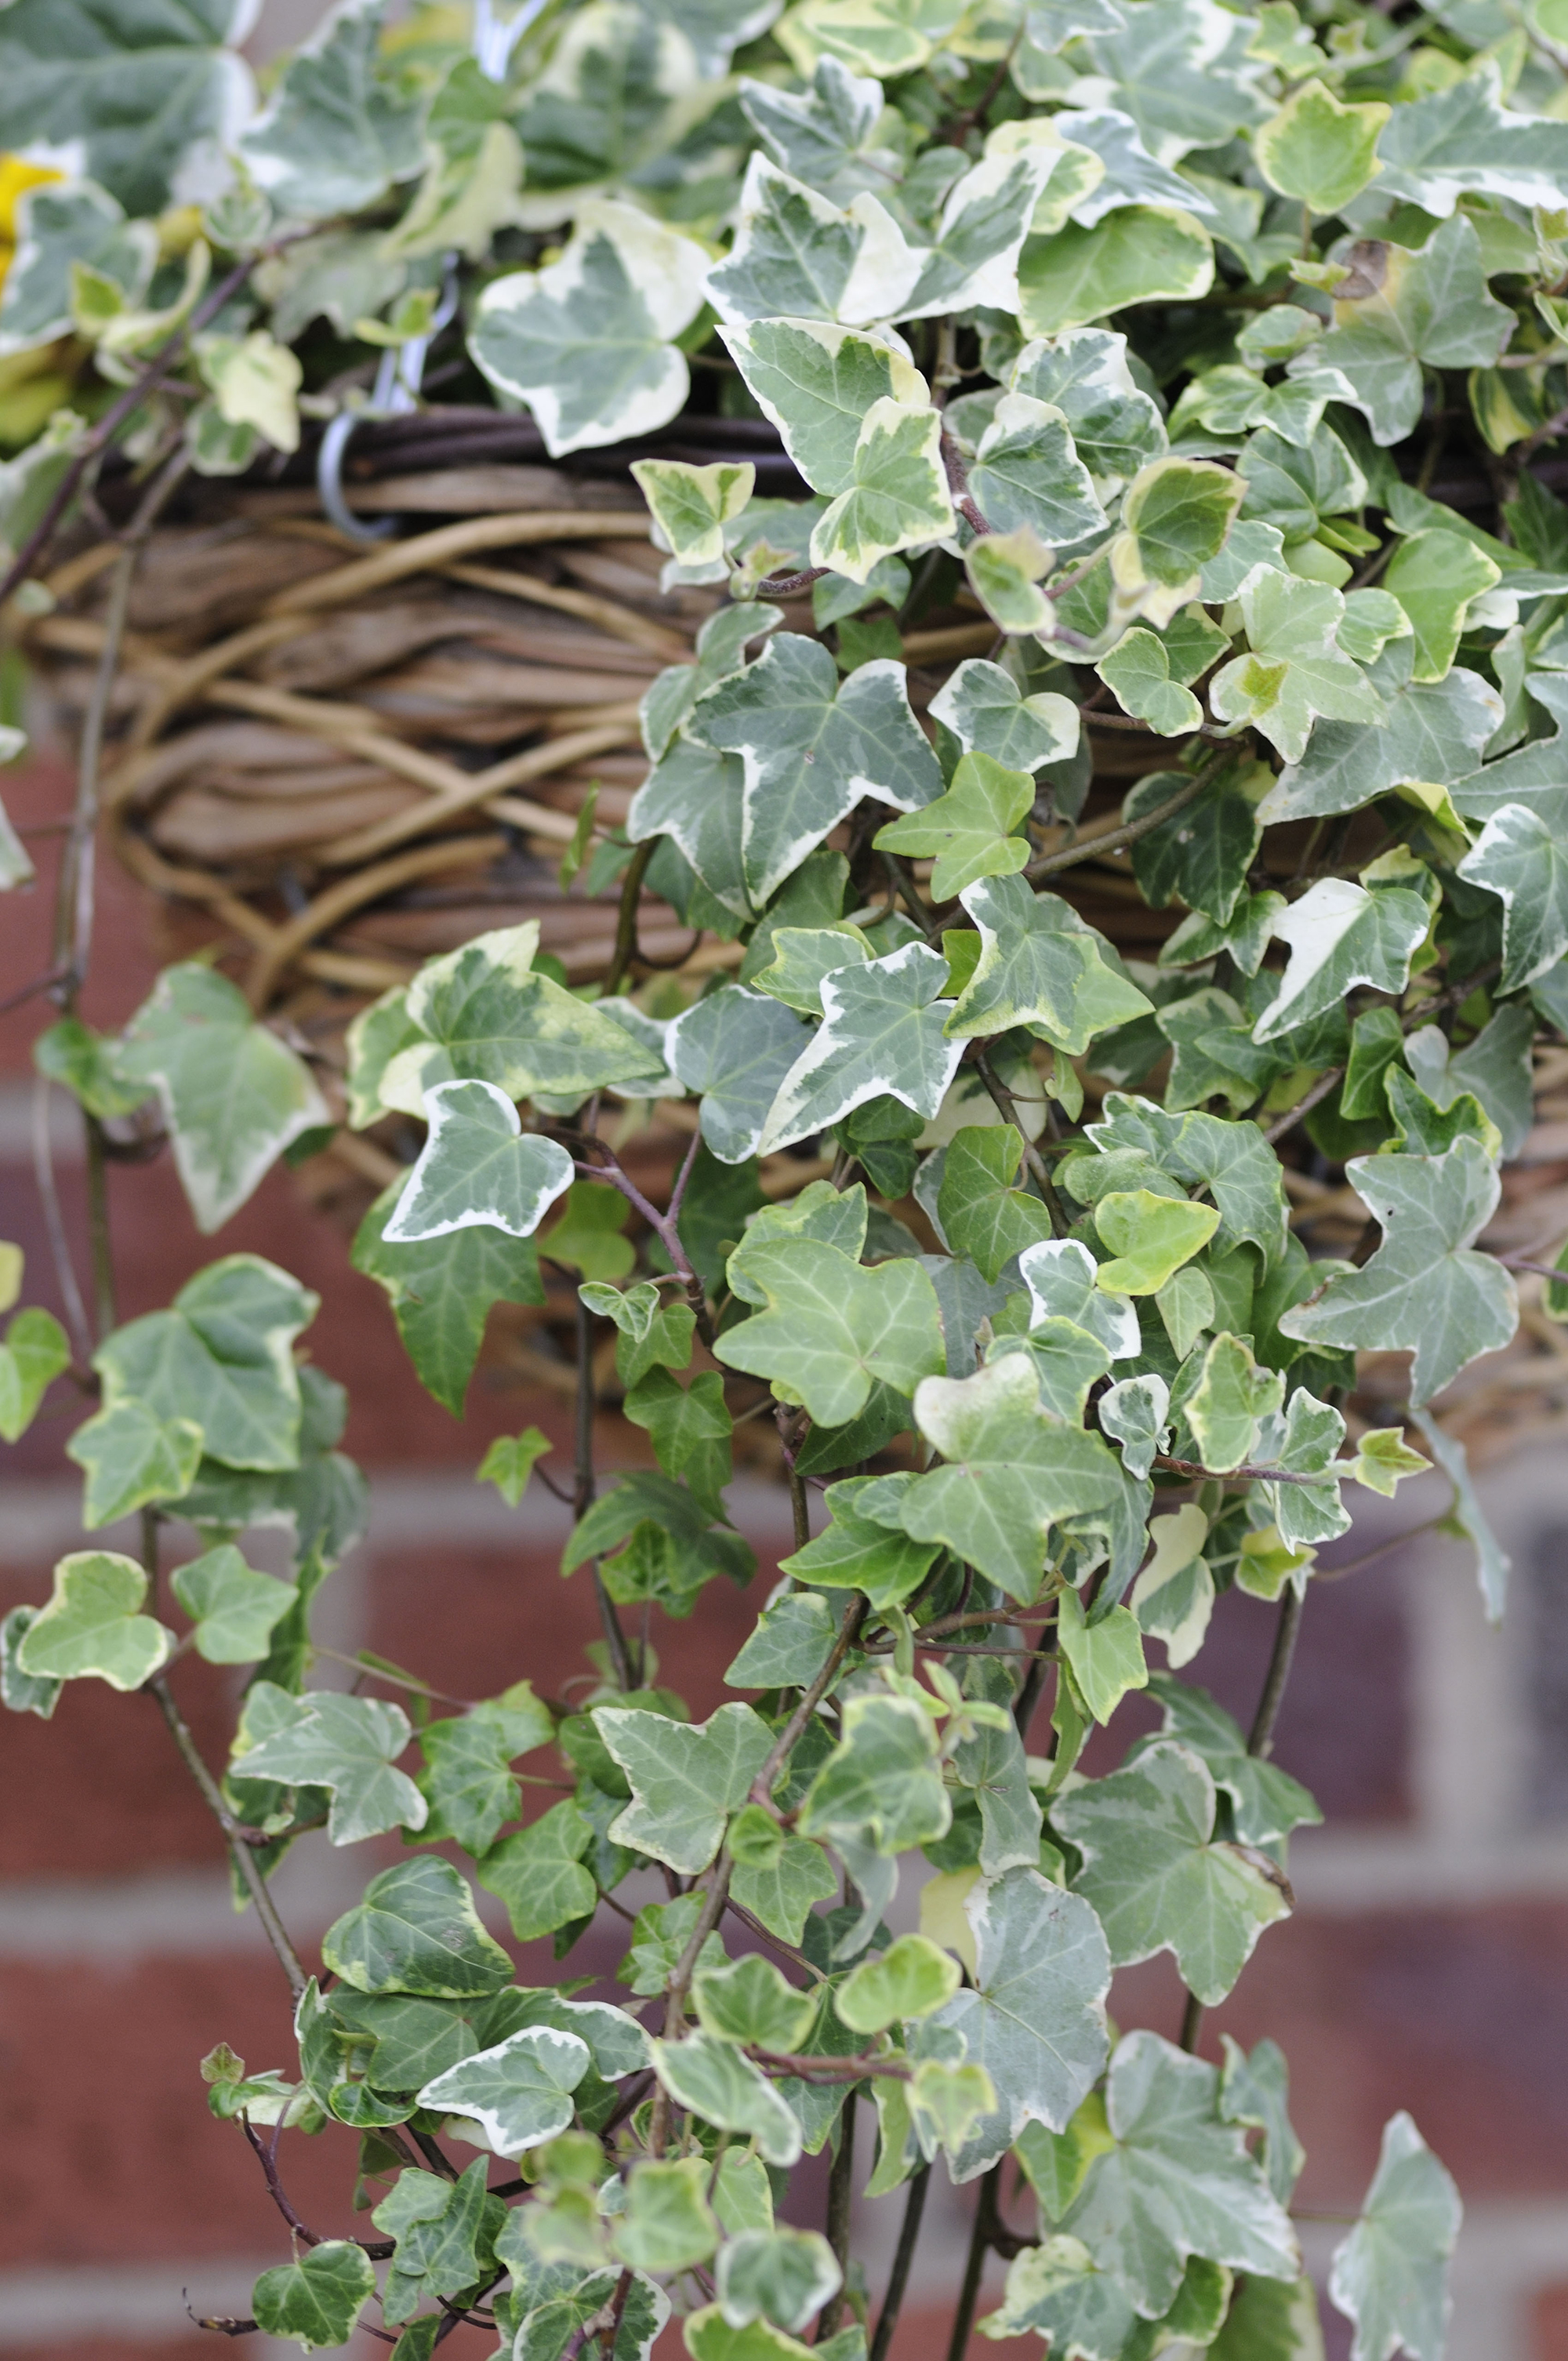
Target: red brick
<point>1548,2340</point>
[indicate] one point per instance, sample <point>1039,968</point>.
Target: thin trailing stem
<point>840,2202</point>
<point>1259,1744</point>
<point>625,950</point>
<point>904,2255</point>
<point>1007,1104</point>
<point>583,1495</point>
<point>378,2249</point>
<point>1115,839</point>
<point>980,2242</point>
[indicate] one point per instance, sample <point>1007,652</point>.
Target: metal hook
<point>395,392</point>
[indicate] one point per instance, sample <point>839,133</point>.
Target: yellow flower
<point>16,176</point>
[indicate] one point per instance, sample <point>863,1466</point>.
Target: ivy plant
<point>1145,336</point>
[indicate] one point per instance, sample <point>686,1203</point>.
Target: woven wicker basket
<point>343,758</point>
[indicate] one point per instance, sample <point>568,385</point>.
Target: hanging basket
<point>345,757</point>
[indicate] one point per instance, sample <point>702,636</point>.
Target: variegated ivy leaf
<point>734,1048</point>
<point>1028,472</point>
<point>1340,935</point>
<point>882,1034</point>
<point>1004,570</point>
<point>1435,148</point>
<point>142,100</point>
<point>1434,575</point>
<point>1390,2276</point>
<point>1137,673</point>
<point>519,2093</point>
<point>93,1625</point>
<point>1035,2018</point>
<point>1319,150</point>
<point>1399,308</point>
<point>692,506</point>
<point>342,126</point>
<point>1116,426</point>
<point>1059,1275</point>
<point>484,1014</point>
<point>233,1096</point>
<point>476,1170</point>
<point>348,1745</point>
<point>811,746</point>
<point>798,256</point>
<point>1187,81</point>
<point>1041,967</point>
<point>1424,1291</point>
<point>713,2081</point>
<point>898,497</point>
<point>722,647</point>
<point>316,2300</point>
<point>1521,860</point>
<point>1130,174</point>
<point>1166,2179</point>
<point>873,37</point>
<point>1294,670</point>
<point>1015,1471</point>
<point>987,714</point>
<point>685,1778</point>
<point>830,1327</point>
<point>1231,1160</point>
<point>1140,253</point>
<point>56,229</point>
<point>985,219</point>
<point>827,135</point>
<point>1467,1518</point>
<point>1175,518</point>
<point>587,342</point>
<point>1295,483</point>
<point>1156,1879</point>
<point>816,381</point>
<point>1434,733</point>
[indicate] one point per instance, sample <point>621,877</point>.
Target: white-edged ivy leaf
<point>1028,472</point>
<point>1013,1473</point>
<point>1449,142</point>
<point>1434,575</point>
<point>1172,2183</point>
<point>816,381</point>
<point>1116,426</point>
<point>882,1784</point>
<point>348,1745</point>
<point>1174,1595</point>
<point>1294,670</point>
<point>1319,150</point>
<point>1231,1160</point>
<point>57,228</point>
<point>987,714</point>
<point>519,2093</point>
<point>546,2329</point>
<point>1519,857</point>
<point>825,135</point>
<point>415,1931</point>
<point>339,129</point>
<point>1399,308</point>
<point>1390,2276</point>
<point>1202,855</point>
<point>1266,1802</point>
<point>1155,1876</point>
<point>1424,1291</point>
<point>837,1217</point>
<point>1035,2018</point>
<point>831,1326</point>
<point>882,1036</point>
<point>780,2275</point>
<point>476,1170</point>
<point>811,746</point>
<point>685,1778</point>
<point>1137,673</point>
<point>691,506</point>
<point>219,1358</point>
<point>968,830</point>
<point>1340,935</point>
<point>696,795</point>
<point>733,1048</point>
<point>233,1608</point>
<point>898,496</point>
<point>709,2077</point>
<point>1495,1067</point>
<point>93,1624</point>
<point>1467,1519</point>
<point>795,255</point>
<point>1277,2317</point>
<point>1133,1412</point>
<point>233,1096</point>
<point>1055,2289</point>
<point>316,2300</point>
<point>1059,1275</point>
<point>589,342</point>
<point>23,1692</point>
<point>1433,732</point>
<point>789,1647</point>
<point>1256,2091</point>
<point>485,1014</point>
<point>1039,966</point>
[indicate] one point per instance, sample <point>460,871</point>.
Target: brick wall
<point>1424,1966</point>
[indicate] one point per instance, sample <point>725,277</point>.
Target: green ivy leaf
<point>912,1979</point>
<point>1041,967</point>
<point>981,1214</point>
<point>1139,254</point>
<point>748,2002</point>
<point>1518,857</point>
<point>1156,1879</point>
<point>1467,1519</point>
<point>1391,2275</point>
<point>832,1327</point>
<point>92,1625</point>
<point>316,2300</point>
<point>1434,575</point>
<point>539,1871</point>
<point>1266,1802</point>
<point>1399,309</point>
<point>35,1351</point>
<point>881,1785</point>
<point>1256,2091</point>
<point>668,2224</point>
<point>685,1778</point>
<point>1319,150</point>
<point>445,2233</point>
<point>220,1359</point>
<point>1294,671</point>
<point>1149,1238</point>
<point>347,1744</point>
<point>781,2276</point>
<point>1106,1656</point>
<point>781,1891</point>
<point>441,1290</point>
<point>969,829</point>
<point>710,2337</point>
<point>234,1610</point>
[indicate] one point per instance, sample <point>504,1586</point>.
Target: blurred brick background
<point>1424,1967</point>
